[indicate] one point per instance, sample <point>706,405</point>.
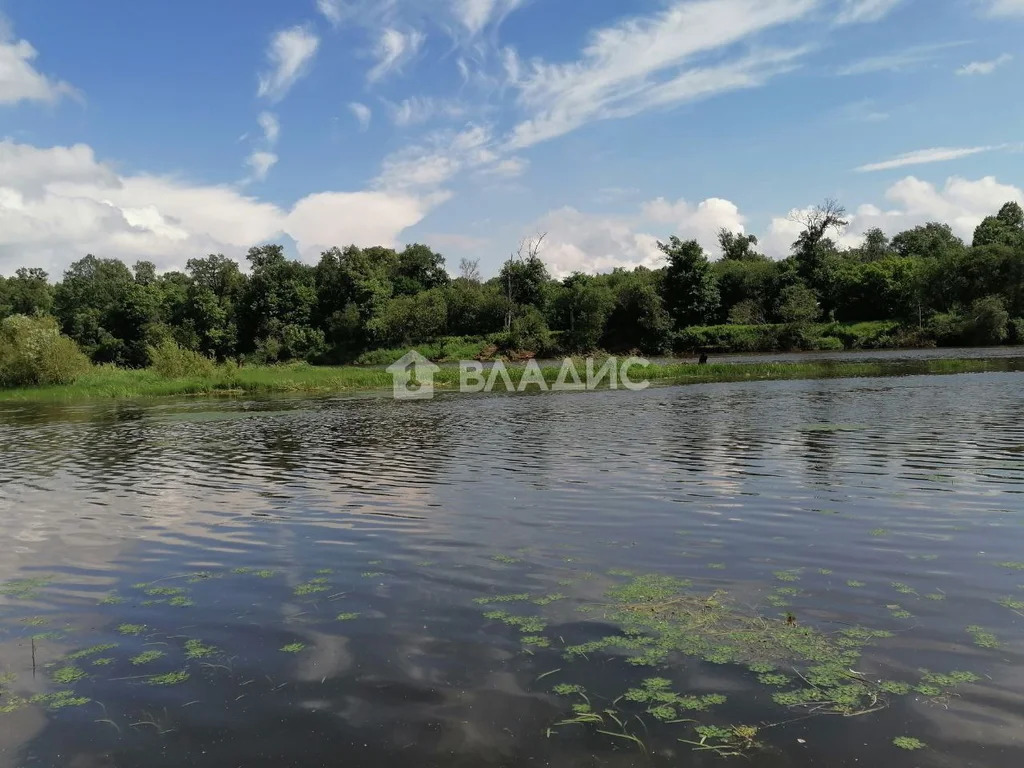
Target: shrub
<point>1016,331</point>
<point>988,321</point>
<point>33,351</point>
<point>172,362</point>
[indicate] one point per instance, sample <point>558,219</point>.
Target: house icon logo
<point>413,377</point>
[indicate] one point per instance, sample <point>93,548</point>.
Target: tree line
<point>932,285</point>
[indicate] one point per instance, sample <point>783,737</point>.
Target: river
<point>362,582</point>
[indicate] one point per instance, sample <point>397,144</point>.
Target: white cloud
<point>475,15</point>
<point>1006,7</point>
<point>863,11</point>
<point>19,79</point>
<point>900,61</point>
<point>508,168</point>
<point>648,61</point>
<point>429,165</point>
<point>362,113</point>
<point>985,67</point>
<point>961,203</point>
<point>271,127</point>
<point>924,156</point>
<point>394,49</point>
<point>584,242</point>
<point>288,56</point>
<point>59,203</point>
<point>326,219</point>
<point>421,109</point>
<point>259,164</point>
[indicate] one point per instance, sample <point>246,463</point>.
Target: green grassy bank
<point>110,382</point>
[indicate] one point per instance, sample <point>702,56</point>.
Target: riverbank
<point>108,382</point>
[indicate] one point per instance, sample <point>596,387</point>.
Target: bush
<point>827,344</point>
<point>33,351</point>
<point>727,338</point>
<point>172,362</point>
<point>1016,331</point>
<point>989,321</point>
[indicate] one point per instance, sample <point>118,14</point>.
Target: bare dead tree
<point>469,269</point>
<point>820,219</point>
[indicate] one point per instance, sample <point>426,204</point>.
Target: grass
<point>110,382</point>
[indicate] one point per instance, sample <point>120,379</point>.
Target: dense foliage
<point>923,286</point>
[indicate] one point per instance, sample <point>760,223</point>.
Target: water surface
<point>249,527</point>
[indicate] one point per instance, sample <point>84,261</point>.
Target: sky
<point>166,131</point>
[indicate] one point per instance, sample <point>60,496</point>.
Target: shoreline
<point>108,383</point>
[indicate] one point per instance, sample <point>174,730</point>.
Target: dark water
<point>251,526</point>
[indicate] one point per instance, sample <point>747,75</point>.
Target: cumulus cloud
<point>19,79</point>
<point>649,61</point>
<point>583,242</point>
<point>394,49</point>
<point>985,67</point>
<point>924,156</point>
<point>862,11</point>
<point>59,203</point>
<point>363,114</point>
<point>288,58</point>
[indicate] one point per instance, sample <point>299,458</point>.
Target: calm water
<point>252,526</point>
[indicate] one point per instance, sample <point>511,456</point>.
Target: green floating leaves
<point>293,648</point>
<point>131,629</point>
<point>982,637</point>
<point>195,649</point>
<point>170,678</point>
<point>908,743</point>
<point>147,657</point>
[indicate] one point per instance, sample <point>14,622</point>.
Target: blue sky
<point>169,130</point>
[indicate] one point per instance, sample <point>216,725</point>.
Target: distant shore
<point>108,382</point>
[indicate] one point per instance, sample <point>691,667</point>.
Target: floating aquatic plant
<point>131,629</point>
<point>293,648</point>
<point>24,589</point>
<point>311,587</point>
<point>855,584</point>
<point>147,657</point>
<point>91,651</point>
<point>733,741</point>
<point>169,678</point>
<point>879,532</point>
<point>506,559</point>
<point>520,597</point>
<point>909,743</point>
<point>548,599</point>
<point>982,637</point>
<point>67,675</point>
<point>527,624</point>
<point>664,704</point>
<point>196,649</point>
<point>59,700</point>
<point>347,616</point>
<point>111,599</point>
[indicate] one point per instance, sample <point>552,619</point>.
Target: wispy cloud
<point>259,164</point>
<point>985,67</point>
<point>288,56</point>
<point>476,15</point>
<point>1006,7</point>
<point>899,61</point>
<point>271,127</point>
<point>421,109</point>
<point>925,156</point>
<point>362,113</point>
<point>394,49</point>
<point>651,61</point>
<point>864,11</point>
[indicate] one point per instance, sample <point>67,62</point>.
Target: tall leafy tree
<point>690,289</point>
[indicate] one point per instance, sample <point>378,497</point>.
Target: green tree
<point>584,305</point>
<point>418,269</point>
<point>737,246</point>
<point>932,240</point>
<point>690,289</point>
<point>1005,228</point>
<point>27,293</point>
